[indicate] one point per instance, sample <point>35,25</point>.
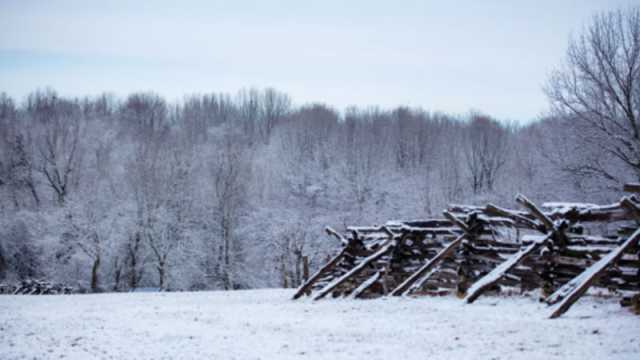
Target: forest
<point>231,191</point>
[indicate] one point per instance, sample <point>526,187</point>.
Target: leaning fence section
<point>560,250</point>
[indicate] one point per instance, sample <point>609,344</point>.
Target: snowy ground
<point>265,324</point>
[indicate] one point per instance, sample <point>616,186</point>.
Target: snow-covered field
<point>265,324</point>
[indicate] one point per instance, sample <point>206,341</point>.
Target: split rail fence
<point>560,249</point>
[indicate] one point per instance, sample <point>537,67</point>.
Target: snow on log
<point>424,272</point>
<point>454,219</point>
<point>631,206</point>
<point>496,274</point>
<point>365,285</point>
<point>339,236</point>
<point>386,248</point>
<point>430,231</point>
<point>590,212</point>
<point>307,285</point>
<point>429,223</point>
<point>568,294</point>
<point>517,216</point>
<point>546,221</point>
<point>568,206</point>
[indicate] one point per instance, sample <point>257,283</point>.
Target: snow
<point>501,269</point>
<point>569,205</point>
<point>365,262</point>
<point>529,238</point>
<point>587,275</point>
<point>431,263</point>
<point>365,285</point>
<point>266,324</point>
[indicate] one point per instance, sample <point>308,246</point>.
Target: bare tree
<point>16,167</point>
<point>598,90</point>
<point>289,246</point>
<point>361,160</point>
<point>90,227</point>
<point>228,192</point>
<point>248,104</point>
<point>275,106</point>
<point>230,176</point>
<point>58,140</point>
<point>485,151</point>
<point>147,113</point>
<point>159,177</point>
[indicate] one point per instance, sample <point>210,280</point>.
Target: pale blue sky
<point>453,56</point>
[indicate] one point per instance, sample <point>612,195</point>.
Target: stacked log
<point>35,287</point>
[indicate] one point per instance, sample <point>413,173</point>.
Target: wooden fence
<point>562,249</point>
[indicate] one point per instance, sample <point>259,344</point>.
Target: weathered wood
<point>543,218</point>
<point>632,187</point>
<point>459,223</point>
<point>492,278</point>
<point>568,294</point>
<point>330,231</point>
<point>604,213</point>
<point>305,272</point>
<point>388,232</point>
<point>433,223</point>
<point>386,248</point>
<point>306,287</point>
<point>631,206</point>
<point>430,231</point>
<point>519,218</point>
<point>493,236</point>
<point>418,277</point>
<point>366,285</point>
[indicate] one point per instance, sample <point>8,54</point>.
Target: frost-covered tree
<point>227,192</point>
<point>230,175</point>
<point>485,151</point>
<point>598,93</point>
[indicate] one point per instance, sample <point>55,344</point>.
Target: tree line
<point>228,191</point>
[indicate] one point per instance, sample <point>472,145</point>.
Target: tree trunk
<point>117,274</point>
<point>34,193</point>
<point>305,268</point>
<point>94,274</point>
<point>161,274</point>
<point>298,270</point>
<point>134,279</point>
<point>226,238</point>
<point>3,264</point>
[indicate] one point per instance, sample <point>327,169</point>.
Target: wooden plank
<point>304,288</point>
<point>432,223</point>
<point>496,274</point>
<point>592,213</point>
<point>518,217</point>
<point>365,285</point>
<point>631,206</point>
<point>418,278</point>
<point>386,248</point>
<point>543,218</point>
<point>339,236</point>
<point>568,294</point>
<point>454,219</point>
<point>632,187</point>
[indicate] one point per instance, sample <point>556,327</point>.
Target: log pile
<point>35,287</point>
<point>557,249</point>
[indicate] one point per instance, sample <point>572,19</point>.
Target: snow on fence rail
<point>474,250</point>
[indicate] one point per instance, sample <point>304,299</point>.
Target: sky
<point>451,56</point>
